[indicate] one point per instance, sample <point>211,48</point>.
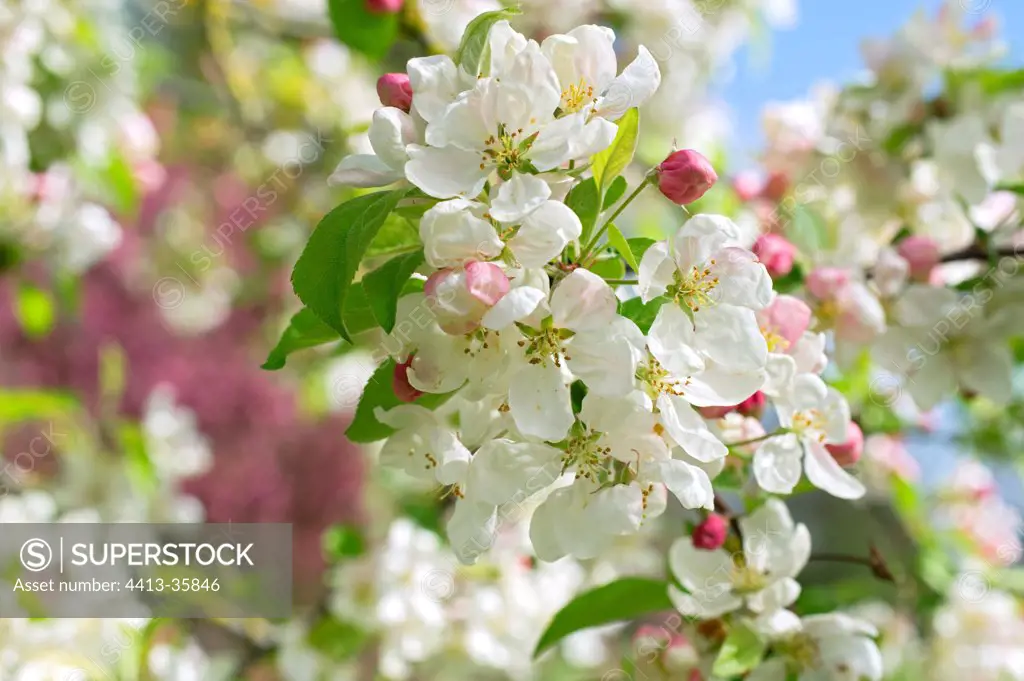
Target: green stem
<point>618,211</point>
<point>620,281</point>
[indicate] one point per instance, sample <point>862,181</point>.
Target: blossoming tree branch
<point>533,355</point>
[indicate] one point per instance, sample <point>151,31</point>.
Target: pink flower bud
<point>775,187</point>
<point>753,405</point>
<point>395,90</point>
<point>400,382</point>
<point>462,296</point>
<point>922,254</point>
<point>685,175</point>
<point>384,6</point>
<point>682,656</point>
<point>848,453</point>
<point>650,638</point>
<point>825,283</point>
<point>783,322</point>
<point>486,282</point>
<point>775,253</point>
<point>715,412</point>
<point>711,533</point>
<point>747,186</point>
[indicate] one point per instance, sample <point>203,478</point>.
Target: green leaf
<point>642,314</point>
<point>113,373</point>
<point>606,165</point>
<point>397,235</point>
<point>27,405</point>
<point>995,81</point>
<point>336,639</point>
<point>624,599</point>
<point>323,275</point>
<point>137,462</point>
<point>474,39</point>
<point>615,191</point>
<point>1009,579</point>
<point>362,30</point>
<point>791,281</point>
<point>586,203</point>
<point>379,393</point>
<point>639,246</point>
<point>1016,188</point>
<point>305,330</point>
<point>742,650</point>
<point>609,267</point>
<point>121,185</point>
<point>358,314</point>
<point>620,244</point>
<point>577,391</point>
<point>384,286</point>
<point>807,230</point>
<point>35,311</point>
<point>342,542</point>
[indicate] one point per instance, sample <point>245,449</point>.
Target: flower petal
<point>632,87</point>
<point>583,301</point>
<point>656,271</point>
<point>539,401</point>
<point>544,233</point>
<point>364,171</point>
<point>445,173</point>
<point>671,339</point>
<point>435,84</point>
<point>519,197</point>
<point>452,234</point>
<point>471,530</point>
<point>826,474</point>
<point>688,429</point>
<point>777,464</point>
<point>391,131</point>
<point>514,306</point>
<point>690,485</point>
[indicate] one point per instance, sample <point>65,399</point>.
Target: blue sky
<point>825,45</point>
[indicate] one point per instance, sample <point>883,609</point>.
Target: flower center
<point>694,288</point>
<point>801,652</point>
<point>810,422</point>
<point>776,343</point>
<point>479,340</point>
<point>546,344</point>
<point>658,380</point>
<point>577,96</point>
<point>747,579</point>
<point>583,453</point>
<point>507,151</point>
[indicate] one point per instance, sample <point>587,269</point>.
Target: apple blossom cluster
<point>897,208</point>
<point>49,193</point>
<point>551,385</point>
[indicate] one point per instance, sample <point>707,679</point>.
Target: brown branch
<point>874,561</point>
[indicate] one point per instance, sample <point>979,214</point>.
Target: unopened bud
<point>711,533</point>
<point>848,453</point>
<point>753,405</point>
<point>922,254</point>
<point>747,186</point>
<point>685,176</point>
<point>384,6</point>
<point>825,283</point>
<point>775,187</point>
<point>395,90</point>
<point>776,253</point>
<point>400,382</point>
